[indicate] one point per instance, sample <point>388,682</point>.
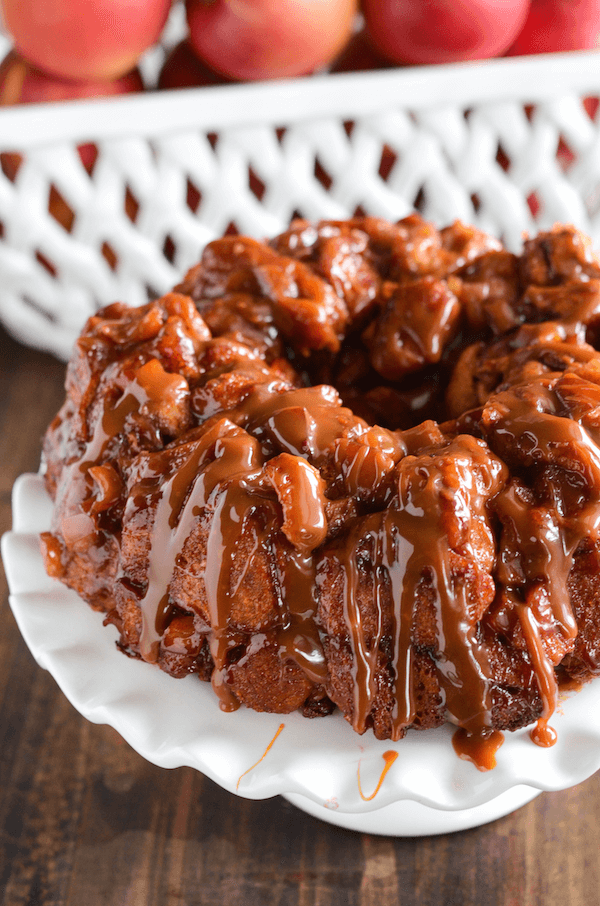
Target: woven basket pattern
<point>126,218</point>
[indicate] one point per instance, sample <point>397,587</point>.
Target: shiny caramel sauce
<point>542,734</point>
<point>409,542</point>
<point>478,748</point>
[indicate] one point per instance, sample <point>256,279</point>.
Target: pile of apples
<point>88,48</point>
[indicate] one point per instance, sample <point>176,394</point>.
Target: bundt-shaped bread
<point>355,466</point>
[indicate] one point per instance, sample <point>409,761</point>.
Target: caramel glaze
<point>225,472</point>
<point>534,426</point>
<point>428,554</point>
<point>409,542</point>
<point>479,749</point>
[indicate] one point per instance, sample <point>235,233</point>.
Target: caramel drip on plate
<point>478,748</point>
<point>262,757</point>
<point>389,758</point>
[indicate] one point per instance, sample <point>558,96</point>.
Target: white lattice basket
<point>509,145</point>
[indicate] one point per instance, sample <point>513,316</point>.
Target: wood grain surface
<point>84,821</point>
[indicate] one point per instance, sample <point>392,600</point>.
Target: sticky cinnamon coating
<point>356,466</point>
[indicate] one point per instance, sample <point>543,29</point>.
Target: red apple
<point>443,31</point>
<point>557,25</point>
<point>84,39</point>
<point>23,83</point>
<point>183,69</point>
<point>264,39</point>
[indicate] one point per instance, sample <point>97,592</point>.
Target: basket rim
<point>536,78</point>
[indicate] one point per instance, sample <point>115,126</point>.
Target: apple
<point>23,83</point>
<point>559,25</point>
<point>266,39</point>
<point>89,40</point>
<point>443,31</point>
<point>183,69</point>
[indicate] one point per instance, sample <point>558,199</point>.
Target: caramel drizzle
<point>234,508</point>
<point>538,544</point>
<point>409,543</point>
<point>235,486</point>
<point>172,521</point>
<point>300,640</point>
<point>364,654</point>
<point>222,471</point>
<point>480,749</point>
<point>79,526</point>
<point>397,550</point>
<point>262,757</point>
<point>150,386</point>
<point>544,561</point>
<point>461,662</point>
<point>304,422</point>
<point>542,734</point>
<point>389,758</point>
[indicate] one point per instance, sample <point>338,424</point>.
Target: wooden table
<point>85,821</point>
